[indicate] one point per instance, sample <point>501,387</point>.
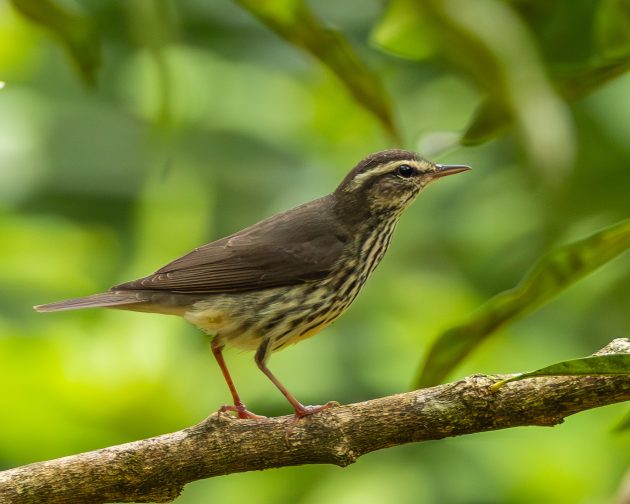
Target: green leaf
<point>612,28</point>
<point>489,119</point>
<point>76,32</point>
<point>613,364</point>
<point>624,424</point>
<point>492,117</point>
<point>577,83</point>
<point>554,272</point>
<point>296,23</point>
<point>400,31</point>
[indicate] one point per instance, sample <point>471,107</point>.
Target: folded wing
<point>297,246</point>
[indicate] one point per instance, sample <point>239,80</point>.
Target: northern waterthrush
<point>288,276</point>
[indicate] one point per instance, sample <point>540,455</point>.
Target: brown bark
<point>156,469</point>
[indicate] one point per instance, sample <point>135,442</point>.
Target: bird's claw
<point>241,412</point>
<point>301,411</point>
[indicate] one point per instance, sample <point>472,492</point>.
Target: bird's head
<point>388,181</point>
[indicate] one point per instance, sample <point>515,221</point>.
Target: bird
<point>287,277</point>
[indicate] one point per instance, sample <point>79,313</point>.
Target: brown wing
<point>296,246</point>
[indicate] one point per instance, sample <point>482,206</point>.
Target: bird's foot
<point>301,411</point>
<point>241,411</point>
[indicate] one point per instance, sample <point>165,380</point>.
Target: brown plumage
<point>288,276</point>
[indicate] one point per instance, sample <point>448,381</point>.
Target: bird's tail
<point>113,299</point>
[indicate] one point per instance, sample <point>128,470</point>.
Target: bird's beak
<point>445,170</point>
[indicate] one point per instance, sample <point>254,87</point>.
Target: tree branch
<point>156,469</point>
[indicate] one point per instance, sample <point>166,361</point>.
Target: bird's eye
<point>405,171</point>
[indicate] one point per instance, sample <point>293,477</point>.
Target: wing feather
<point>300,245</point>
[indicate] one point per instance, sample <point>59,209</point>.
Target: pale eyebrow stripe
<point>375,172</point>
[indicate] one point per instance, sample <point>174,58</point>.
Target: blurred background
<point>131,132</point>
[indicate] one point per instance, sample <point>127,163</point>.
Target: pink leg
<point>239,407</point>
<point>300,410</point>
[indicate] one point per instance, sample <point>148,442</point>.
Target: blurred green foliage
<point>554,272</point>
<point>294,21</point>
<point>203,120</point>
<point>74,31</point>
